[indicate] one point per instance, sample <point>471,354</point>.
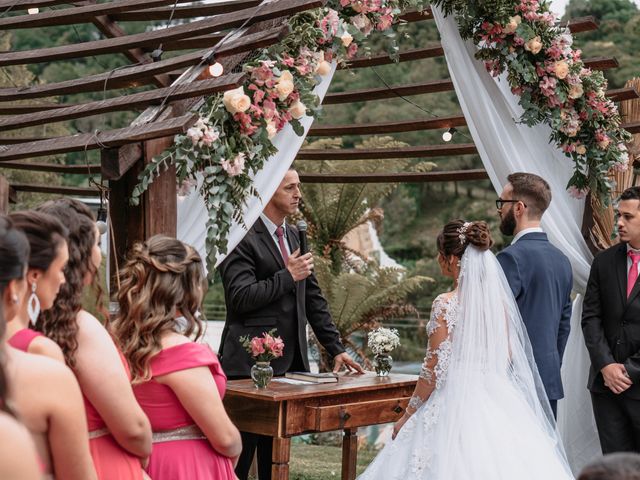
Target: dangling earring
<point>33,305</point>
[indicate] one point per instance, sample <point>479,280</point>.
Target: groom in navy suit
<point>539,275</point>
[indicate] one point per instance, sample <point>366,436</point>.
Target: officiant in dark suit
<point>611,327</point>
<point>539,275</point>
<point>267,285</point>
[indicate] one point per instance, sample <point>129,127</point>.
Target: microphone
<point>302,234</point>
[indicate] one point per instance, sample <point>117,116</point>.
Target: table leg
<point>280,458</point>
<point>349,453</point>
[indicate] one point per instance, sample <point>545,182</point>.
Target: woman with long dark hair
<point>178,382</point>
<point>45,274</point>
<point>18,454</point>
<point>44,392</point>
<point>119,431</point>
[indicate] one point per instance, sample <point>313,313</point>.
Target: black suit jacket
<point>260,294</point>
<point>610,321</point>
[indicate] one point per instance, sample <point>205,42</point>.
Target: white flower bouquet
<point>383,340</point>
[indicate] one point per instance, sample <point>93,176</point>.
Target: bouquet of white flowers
<point>383,340</point>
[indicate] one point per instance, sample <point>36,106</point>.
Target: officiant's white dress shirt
<point>522,233</point>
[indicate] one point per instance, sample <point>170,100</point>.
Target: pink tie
<point>633,271</point>
<point>285,255</point>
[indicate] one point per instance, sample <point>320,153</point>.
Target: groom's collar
<point>522,233</point>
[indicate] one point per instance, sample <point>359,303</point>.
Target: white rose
<point>323,68</point>
<point>271,130</point>
<point>284,87</point>
<point>576,91</point>
<point>236,101</point>
<point>346,39</point>
<point>297,110</point>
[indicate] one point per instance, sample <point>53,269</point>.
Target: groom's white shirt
<point>522,233</point>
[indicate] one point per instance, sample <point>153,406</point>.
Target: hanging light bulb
<point>215,70</point>
<point>448,135</point>
<point>33,11</point>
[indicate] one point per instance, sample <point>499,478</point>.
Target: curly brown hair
<point>455,237</point>
<point>59,323</point>
<point>161,277</point>
<point>14,254</point>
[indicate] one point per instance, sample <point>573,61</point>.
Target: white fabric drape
<point>192,213</point>
<point>505,146</point>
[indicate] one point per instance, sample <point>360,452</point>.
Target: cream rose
<point>346,39</point>
<point>297,110</point>
<point>534,45</point>
<point>512,26</point>
<point>271,129</point>
<point>236,101</point>
<point>576,91</point>
<point>323,68</point>
<point>561,69</point>
<point>284,87</point>
<point>581,149</point>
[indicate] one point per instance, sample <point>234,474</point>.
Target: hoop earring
<point>33,305</point>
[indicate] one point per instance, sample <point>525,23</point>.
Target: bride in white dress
<point>479,411</point>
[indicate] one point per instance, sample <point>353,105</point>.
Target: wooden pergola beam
<point>421,151</point>
<point>55,190</point>
<point>124,102</point>
<point>387,127</point>
<point>446,85</point>
<point>277,9</point>
<point>135,76</point>
<point>92,141</point>
<point>189,11</point>
<point>410,177</point>
<point>79,169</point>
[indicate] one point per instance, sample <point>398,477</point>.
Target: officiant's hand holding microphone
<point>300,266</point>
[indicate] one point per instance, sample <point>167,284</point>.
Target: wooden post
<point>349,453</point>
<point>4,195</point>
<point>156,213</point>
<point>280,458</point>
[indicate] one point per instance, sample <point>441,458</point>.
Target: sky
<point>558,6</point>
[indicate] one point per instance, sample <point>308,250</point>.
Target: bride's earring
<point>33,305</point>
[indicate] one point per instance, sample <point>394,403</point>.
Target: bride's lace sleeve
<point>436,361</point>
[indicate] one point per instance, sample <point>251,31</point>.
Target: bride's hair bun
<point>458,234</point>
<point>478,234</point>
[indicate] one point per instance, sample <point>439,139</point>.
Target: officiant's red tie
<point>285,255</point>
<point>633,271</point>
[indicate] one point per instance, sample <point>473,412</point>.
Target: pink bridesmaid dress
<point>23,338</point>
<point>180,449</point>
<point>112,462</point>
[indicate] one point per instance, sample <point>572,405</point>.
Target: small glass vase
<point>261,374</point>
<point>382,364</point>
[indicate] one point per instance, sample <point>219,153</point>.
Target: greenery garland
<point>522,38</point>
<point>232,137</point>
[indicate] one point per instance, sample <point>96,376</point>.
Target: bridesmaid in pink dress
<point>45,274</point>
<point>179,383</point>
<point>119,431</point>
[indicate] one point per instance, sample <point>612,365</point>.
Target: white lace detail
<point>445,308</point>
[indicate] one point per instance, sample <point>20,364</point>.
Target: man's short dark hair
<point>532,190</point>
<point>631,193</point>
<point>614,466</point>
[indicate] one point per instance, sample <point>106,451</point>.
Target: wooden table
<point>283,410</point>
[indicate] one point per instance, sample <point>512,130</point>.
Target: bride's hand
<point>398,425</point>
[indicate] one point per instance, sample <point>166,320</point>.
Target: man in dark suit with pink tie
<point>269,284</point>
<point>611,327</point>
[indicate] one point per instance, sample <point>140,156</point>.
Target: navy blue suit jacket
<point>541,280</point>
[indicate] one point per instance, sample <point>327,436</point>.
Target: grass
<point>322,462</point>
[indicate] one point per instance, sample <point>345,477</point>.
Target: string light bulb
<point>448,135</point>
<point>215,70</point>
<point>33,11</point>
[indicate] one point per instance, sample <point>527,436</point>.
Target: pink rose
<point>577,193</point>
<point>256,346</point>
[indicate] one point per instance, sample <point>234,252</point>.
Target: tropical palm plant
<point>360,292</point>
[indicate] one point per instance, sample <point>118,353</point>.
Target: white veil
<point>491,354</point>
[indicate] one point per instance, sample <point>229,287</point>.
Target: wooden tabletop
<point>278,391</point>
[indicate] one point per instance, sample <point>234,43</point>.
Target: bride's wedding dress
<point>482,413</point>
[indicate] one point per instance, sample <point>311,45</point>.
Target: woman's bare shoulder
<point>18,460</point>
